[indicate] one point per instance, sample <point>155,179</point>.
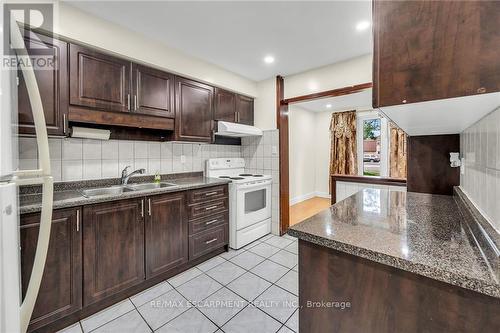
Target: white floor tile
<point>191,321</point>
<point>249,286</point>
<point>294,248</point>
<point>106,315</point>
<point>131,322</point>
<point>184,277</point>
<point>163,309</point>
<point>226,272</point>
<point>209,264</point>
<point>75,328</point>
<point>280,242</point>
<point>293,322</point>
<point>264,250</point>
<point>285,258</point>
<point>222,306</point>
<point>290,282</point>
<point>247,260</point>
<point>251,319</point>
<point>151,293</point>
<point>269,270</point>
<point>231,253</point>
<point>278,303</point>
<point>199,288</point>
<point>285,329</point>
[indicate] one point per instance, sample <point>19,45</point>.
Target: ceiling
<point>237,35</point>
<point>357,101</point>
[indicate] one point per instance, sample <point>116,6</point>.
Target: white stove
<point>249,200</point>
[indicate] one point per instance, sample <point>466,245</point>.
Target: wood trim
<point>362,179</point>
<point>282,124</point>
<point>83,115</point>
<point>329,93</point>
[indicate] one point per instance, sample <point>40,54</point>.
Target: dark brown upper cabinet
<point>429,50</point>
<point>60,291</point>
<point>153,92</point>
<point>113,243</point>
<point>225,105</point>
<point>99,80</point>
<point>52,84</point>
<point>166,233</point>
<point>194,111</point>
<point>244,109</point>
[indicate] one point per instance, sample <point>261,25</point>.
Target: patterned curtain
<point>343,153</point>
<point>397,152</point>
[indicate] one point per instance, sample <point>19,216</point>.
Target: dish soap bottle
<point>157,179</point>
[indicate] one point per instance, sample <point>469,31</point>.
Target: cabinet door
<point>61,287</point>
<point>113,243</point>
<point>166,233</point>
<point>225,105</point>
<point>52,79</point>
<point>153,92</point>
<point>428,50</point>
<point>98,80</point>
<point>244,107</point>
<point>193,113</point>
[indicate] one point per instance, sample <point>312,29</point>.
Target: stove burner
<point>245,174</point>
<point>236,178</point>
<point>224,177</point>
<point>258,175</point>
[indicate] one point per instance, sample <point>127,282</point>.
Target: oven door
<point>253,203</point>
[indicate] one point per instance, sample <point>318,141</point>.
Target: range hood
<point>225,128</point>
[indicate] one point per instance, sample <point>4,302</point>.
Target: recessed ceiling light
<point>269,59</point>
<point>328,106</point>
<point>363,25</point>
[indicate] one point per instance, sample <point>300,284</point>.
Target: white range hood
<point>225,128</point>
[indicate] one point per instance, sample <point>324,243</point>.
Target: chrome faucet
<point>126,176</point>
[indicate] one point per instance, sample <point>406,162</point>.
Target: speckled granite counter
<point>418,233</point>
<point>69,195</point>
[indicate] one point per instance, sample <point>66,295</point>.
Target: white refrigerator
<point>15,312</point>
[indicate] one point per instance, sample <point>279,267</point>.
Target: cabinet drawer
<point>209,193</point>
<point>207,241</point>
<point>208,208</point>
<point>199,225</point>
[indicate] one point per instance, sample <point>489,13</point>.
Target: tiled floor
<point>254,289</point>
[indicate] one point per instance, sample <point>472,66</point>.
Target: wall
<point>82,27</point>
<point>265,104</point>
<point>262,157</point>
<point>322,152</point>
<point>302,154</point>
<point>480,147</point>
<point>77,159</point>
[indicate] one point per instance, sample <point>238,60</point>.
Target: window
<point>372,144</point>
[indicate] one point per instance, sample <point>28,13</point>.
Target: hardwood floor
<point>307,208</point>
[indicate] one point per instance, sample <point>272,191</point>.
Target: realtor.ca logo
<point>33,22</point>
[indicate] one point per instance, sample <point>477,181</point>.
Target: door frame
<point>282,125</point>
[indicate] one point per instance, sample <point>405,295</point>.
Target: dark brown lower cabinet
<point>113,247</point>
<point>61,287</point>
<point>166,233</point>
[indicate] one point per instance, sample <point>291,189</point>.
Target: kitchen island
<point>387,261</point>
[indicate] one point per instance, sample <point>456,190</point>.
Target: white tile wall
<point>261,156</point>
<point>81,159</point>
<point>480,148</point>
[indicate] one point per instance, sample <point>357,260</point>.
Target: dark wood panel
<point>429,169</point>
<point>207,193</point>
<point>208,208</point>
<point>282,121</point>
<point>60,291</point>
<point>113,241</point>
<point>194,111</point>
<point>205,223</point>
<point>244,109</point>
<point>52,83</point>
<point>84,115</point>
<point>207,241</point>
<point>154,91</point>
<point>166,233</point>
<point>384,299</point>
<point>427,50</point>
<point>225,105</point>
<point>329,93</point>
<point>99,80</point>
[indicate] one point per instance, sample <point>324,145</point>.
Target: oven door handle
<point>260,184</point>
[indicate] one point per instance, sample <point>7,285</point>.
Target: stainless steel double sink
<point>119,189</point>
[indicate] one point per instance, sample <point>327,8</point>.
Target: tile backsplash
<point>480,148</point>
<point>261,156</point>
<point>82,159</point>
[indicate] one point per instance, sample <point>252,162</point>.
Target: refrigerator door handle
<point>43,172</point>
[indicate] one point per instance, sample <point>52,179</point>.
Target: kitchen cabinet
<point>61,287</point>
<point>153,92</point>
<point>225,106</point>
<point>244,109</point>
<point>194,110</point>
<point>98,80</point>
<point>113,243</point>
<point>166,233</point>
<point>52,80</point>
<point>429,50</point>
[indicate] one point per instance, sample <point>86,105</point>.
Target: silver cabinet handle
<point>149,207</point>
<point>211,207</point>
<point>210,193</point>
<point>77,220</point>
<point>142,208</point>
<point>65,123</point>
<point>135,102</point>
<point>211,241</point>
<point>211,222</point>
<point>128,102</point>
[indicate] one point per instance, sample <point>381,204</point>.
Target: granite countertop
<point>69,194</point>
<point>418,233</point>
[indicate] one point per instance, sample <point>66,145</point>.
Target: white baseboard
<point>308,196</point>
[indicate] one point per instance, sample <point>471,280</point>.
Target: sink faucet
<point>126,176</point>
